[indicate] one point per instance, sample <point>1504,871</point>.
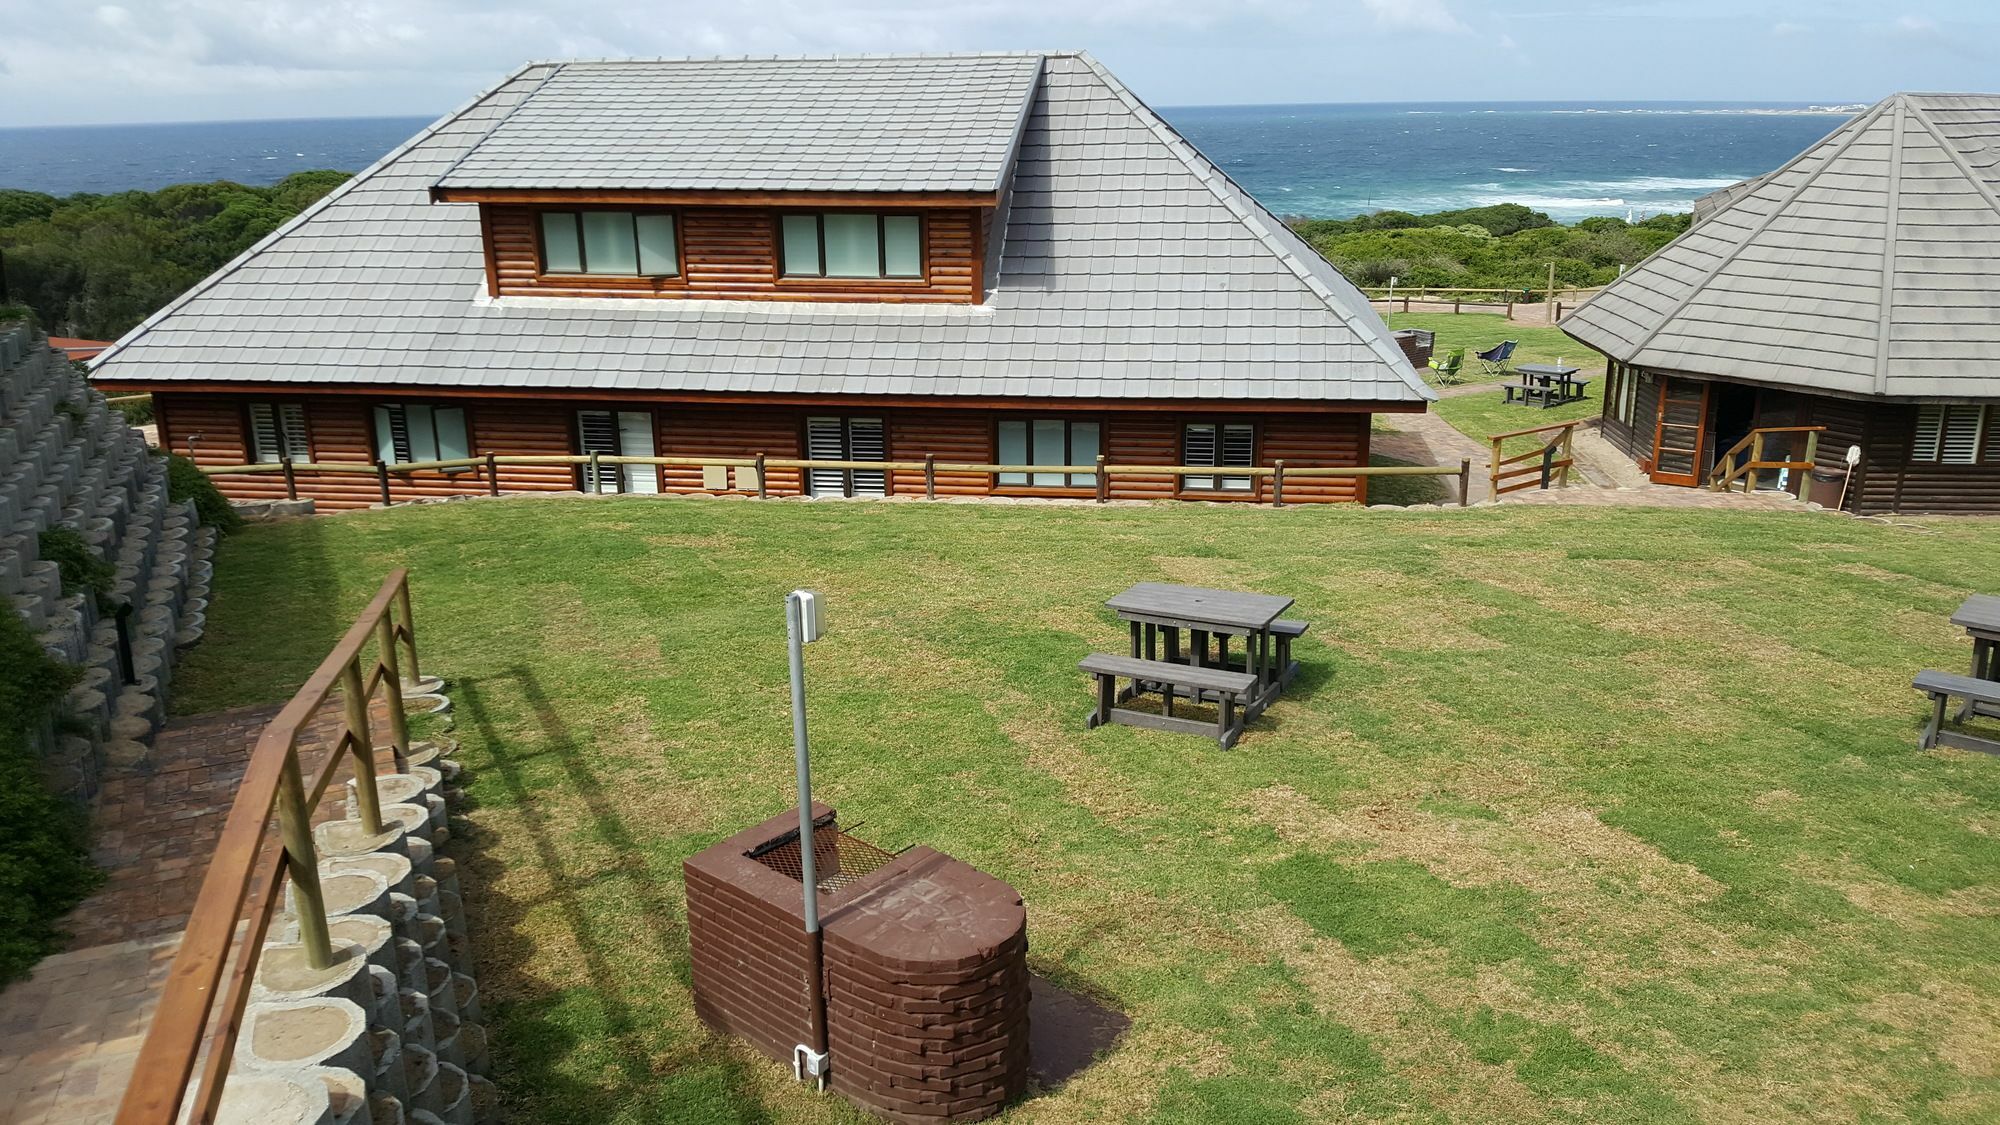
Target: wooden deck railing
<point>594,464</point>
<point>1726,473</point>
<point>222,943</point>
<point>1537,467</point>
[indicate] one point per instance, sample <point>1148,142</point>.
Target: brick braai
<point>926,974</point>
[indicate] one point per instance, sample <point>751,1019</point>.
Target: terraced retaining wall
<point>68,460</point>
<point>925,973</point>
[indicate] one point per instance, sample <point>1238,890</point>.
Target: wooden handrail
<point>243,873</point>
<point>1722,474</point>
<point>1556,457</point>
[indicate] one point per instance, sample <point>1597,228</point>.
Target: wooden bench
<point>1229,689</point>
<point>1285,630</point>
<point>1942,687</point>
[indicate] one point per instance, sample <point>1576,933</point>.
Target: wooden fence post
<point>1278,483</point>
<point>367,799</point>
<point>1465,482</point>
<point>302,866</point>
<point>762,492</point>
<point>291,480</point>
<point>1493,470</point>
<point>382,476</point>
<point>930,476</point>
<point>1756,458</point>
<point>492,474</point>
<point>392,680</point>
<point>1568,452</point>
<point>1103,482</point>
<point>1455,303</point>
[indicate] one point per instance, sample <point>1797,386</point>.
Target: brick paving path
<point>70,1033</point>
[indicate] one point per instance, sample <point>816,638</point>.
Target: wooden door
<point>1680,432</point>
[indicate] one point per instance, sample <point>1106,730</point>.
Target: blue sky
<point>74,61</point>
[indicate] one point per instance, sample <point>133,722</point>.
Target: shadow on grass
<point>588,1053</point>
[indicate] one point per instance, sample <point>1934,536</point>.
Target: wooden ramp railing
<point>247,873</point>
<point>1537,468</point>
<point>1726,472</point>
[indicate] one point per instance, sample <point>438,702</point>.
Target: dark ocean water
<point>1568,159</point>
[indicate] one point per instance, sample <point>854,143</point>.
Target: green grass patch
<point>1572,814</point>
<point>1476,332</point>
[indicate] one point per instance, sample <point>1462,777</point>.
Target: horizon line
<point>1829,105</point>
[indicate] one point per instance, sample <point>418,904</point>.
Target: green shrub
<point>186,482</point>
<point>82,569</point>
<point>44,862</point>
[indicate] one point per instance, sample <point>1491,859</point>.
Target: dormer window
<point>610,243</point>
<point>852,244</point>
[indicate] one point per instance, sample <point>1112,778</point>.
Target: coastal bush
<point>1502,247</point>
<point>95,265</point>
<point>44,864</point>
<point>187,482</point>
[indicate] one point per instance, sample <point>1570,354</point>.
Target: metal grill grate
<point>838,858</point>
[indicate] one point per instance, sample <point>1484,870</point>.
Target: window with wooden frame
<point>618,433</point>
<point>1225,445</point>
<point>278,432</point>
<point>610,243</point>
<point>1047,441</point>
<point>851,245</point>
<point>1953,434</point>
<point>830,438</point>
<point>406,433</point>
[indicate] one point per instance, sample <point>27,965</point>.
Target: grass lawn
<point>1475,332</point>
<point>1580,815</point>
<point>1483,414</point>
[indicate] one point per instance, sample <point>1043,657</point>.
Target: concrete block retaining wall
<point>925,974</point>
<point>67,459</point>
<point>390,1033</point>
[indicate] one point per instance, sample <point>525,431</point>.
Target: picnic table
<point>1979,616</point>
<point>1158,612</point>
<point>1546,385</point>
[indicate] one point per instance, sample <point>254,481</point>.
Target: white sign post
<point>802,627</point>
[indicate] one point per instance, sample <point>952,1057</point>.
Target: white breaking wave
<point>1654,183</point>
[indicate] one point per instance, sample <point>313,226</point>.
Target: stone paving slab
<point>70,1033</point>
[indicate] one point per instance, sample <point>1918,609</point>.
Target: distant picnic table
<point>1979,616</point>
<point>1546,385</point>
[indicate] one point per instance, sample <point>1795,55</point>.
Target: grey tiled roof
<point>1869,264</point>
<point>938,123</point>
<point>1130,267</point>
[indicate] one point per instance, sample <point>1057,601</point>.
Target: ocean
<point>1571,160</point>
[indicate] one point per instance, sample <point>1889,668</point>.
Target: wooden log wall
<point>341,429</point>
<point>733,252</point>
<point>1891,482</point>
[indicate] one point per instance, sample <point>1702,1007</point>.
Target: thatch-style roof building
<point>1857,288</point>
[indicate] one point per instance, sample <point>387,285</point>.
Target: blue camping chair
<point>1494,359</point>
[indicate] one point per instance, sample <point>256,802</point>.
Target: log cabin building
<point>1001,259</point>
<point>1856,288</point>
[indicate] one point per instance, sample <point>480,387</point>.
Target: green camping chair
<point>1449,371</point>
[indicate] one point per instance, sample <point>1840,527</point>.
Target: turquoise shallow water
<point>1568,159</point>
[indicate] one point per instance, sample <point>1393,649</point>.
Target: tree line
<point>94,265</point>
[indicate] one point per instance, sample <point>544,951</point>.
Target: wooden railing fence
<point>1460,296</point>
<point>1727,472</point>
<point>487,465</point>
<point>1537,468</point>
<point>220,949</point>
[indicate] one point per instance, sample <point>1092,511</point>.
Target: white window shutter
<point>264,443</point>
<point>1930,423</point>
<point>825,442</point>
<point>292,424</point>
<point>866,441</point>
<point>1959,444</point>
<point>597,432</point>
<point>635,439</point>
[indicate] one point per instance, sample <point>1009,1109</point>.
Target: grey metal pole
<point>793,630</point>
<point>810,1057</point>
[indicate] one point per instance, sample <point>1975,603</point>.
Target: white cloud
<point>1785,29</point>
<point>1916,25</point>
<point>1415,15</point>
